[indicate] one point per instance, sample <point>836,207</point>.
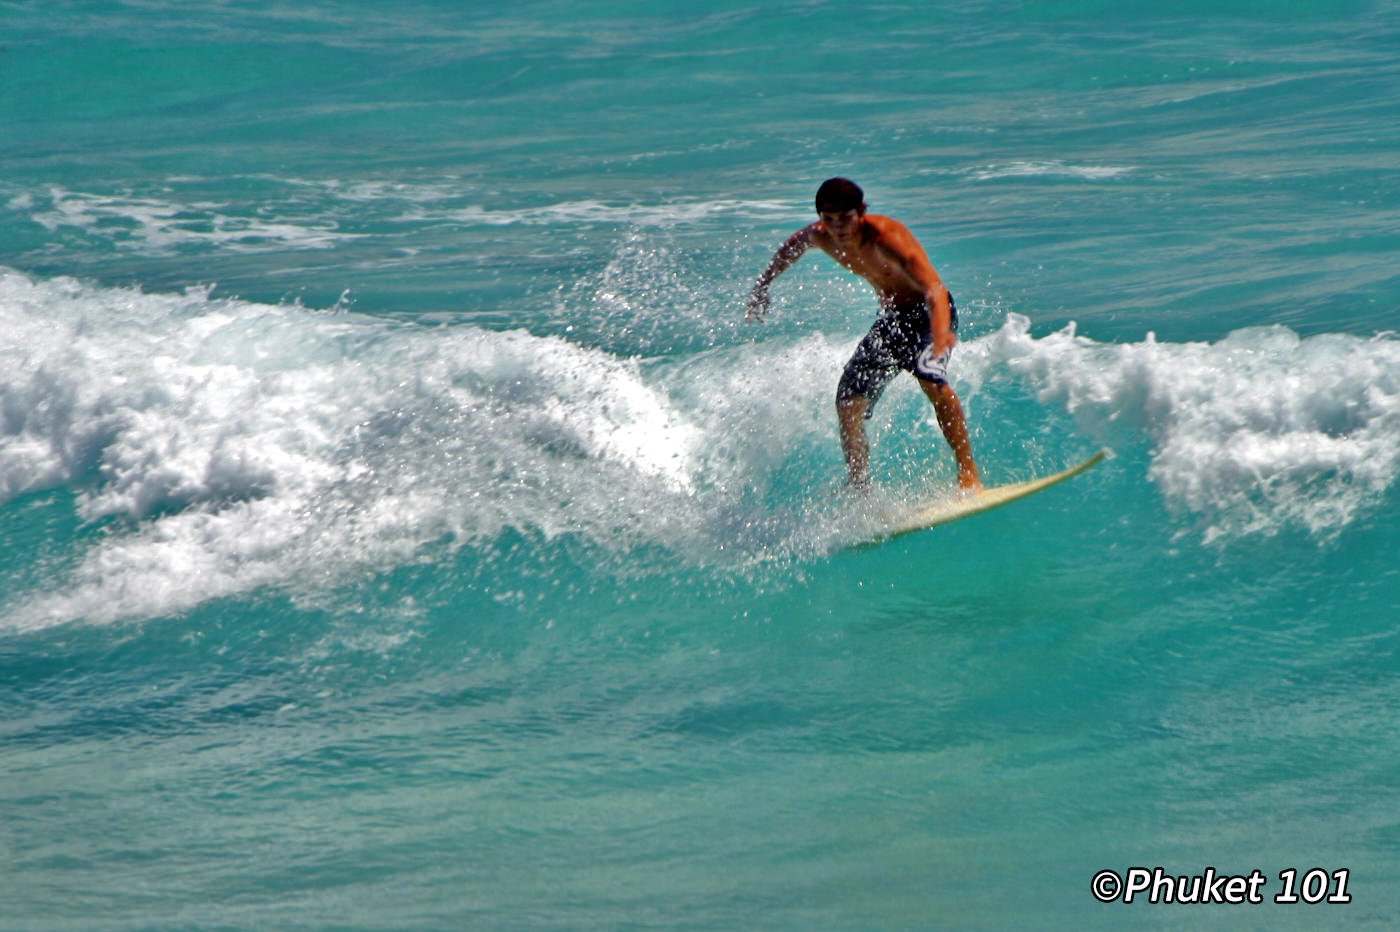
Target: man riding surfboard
<point>915,331</point>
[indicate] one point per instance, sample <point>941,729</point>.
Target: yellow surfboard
<point>963,506</point>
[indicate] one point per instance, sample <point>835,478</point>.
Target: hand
<point>758,306</point>
<point>931,365</point>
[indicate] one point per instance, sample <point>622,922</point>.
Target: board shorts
<point>900,339</point>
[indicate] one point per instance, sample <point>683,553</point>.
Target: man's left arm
<point>915,262</point>
<point>940,317</point>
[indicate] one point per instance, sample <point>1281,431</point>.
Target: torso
<point>875,257</point>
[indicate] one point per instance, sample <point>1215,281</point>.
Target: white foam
<point>240,445</point>
<point>455,200</point>
<point>674,213</point>
<point>305,216</point>
<point>159,225</point>
<point>1045,169</point>
<point>1257,433</point>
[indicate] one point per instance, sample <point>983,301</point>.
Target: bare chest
<point>872,264</point>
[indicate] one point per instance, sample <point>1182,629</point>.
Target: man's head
<point>838,195</point>
<point>841,207</point>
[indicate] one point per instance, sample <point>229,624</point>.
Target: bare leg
<point>851,413</point>
<point>950,417</point>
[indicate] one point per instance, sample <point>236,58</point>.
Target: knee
<point>937,391</point>
<point>851,409</point>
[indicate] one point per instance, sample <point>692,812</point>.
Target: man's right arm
<point>783,259</point>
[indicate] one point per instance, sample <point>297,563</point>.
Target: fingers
<point>757,308</point>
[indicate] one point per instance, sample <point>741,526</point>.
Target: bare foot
<point>970,484</point>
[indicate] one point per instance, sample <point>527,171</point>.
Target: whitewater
<point>232,446</point>
<point>401,527</point>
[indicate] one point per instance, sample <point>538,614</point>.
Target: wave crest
<point>1255,433</point>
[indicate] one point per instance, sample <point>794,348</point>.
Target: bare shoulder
<point>895,239</point>
<point>889,230</point>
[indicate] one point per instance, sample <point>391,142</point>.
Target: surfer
<point>915,330</point>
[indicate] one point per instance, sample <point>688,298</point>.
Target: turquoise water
<point>401,529</point>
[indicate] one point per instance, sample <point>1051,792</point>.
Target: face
<point>842,225</point>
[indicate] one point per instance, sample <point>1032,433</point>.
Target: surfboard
<point>957,506</point>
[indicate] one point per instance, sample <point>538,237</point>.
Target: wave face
<point>227,446</point>
<point>400,526</point>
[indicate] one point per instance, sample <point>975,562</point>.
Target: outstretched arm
<point>787,254</point>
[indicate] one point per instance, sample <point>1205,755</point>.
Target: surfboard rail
<point>960,505</point>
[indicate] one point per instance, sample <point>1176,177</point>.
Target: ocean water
<point>402,530</point>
